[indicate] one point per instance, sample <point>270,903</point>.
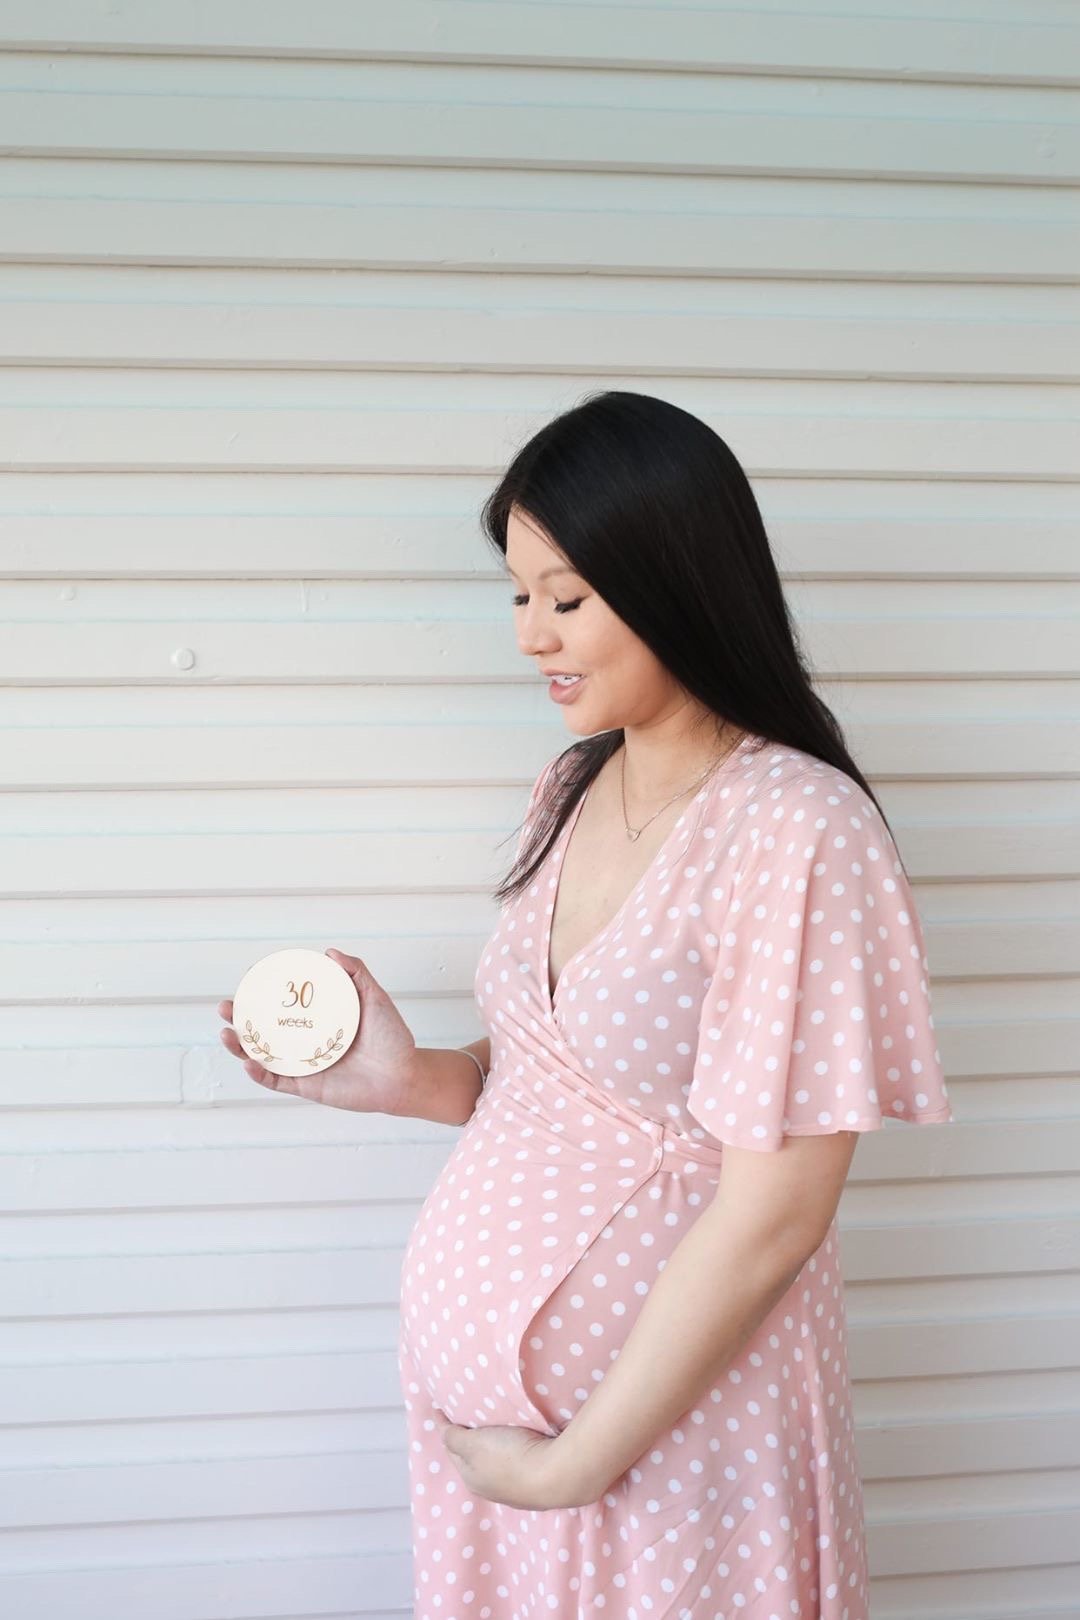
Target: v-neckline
<point>679,829</point>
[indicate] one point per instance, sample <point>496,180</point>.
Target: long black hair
<point>653,509</point>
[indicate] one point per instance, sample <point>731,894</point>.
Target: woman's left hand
<point>506,1464</point>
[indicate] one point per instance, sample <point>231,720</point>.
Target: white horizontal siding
<point>281,289</point>
<point>1000,41</point>
<point>379,526</point>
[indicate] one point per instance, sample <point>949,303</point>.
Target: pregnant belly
<point>517,1207</point>
<point>532,1257</point>
<point>574,1337</point>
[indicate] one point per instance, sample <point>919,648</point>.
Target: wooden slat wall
<point>281,289</point>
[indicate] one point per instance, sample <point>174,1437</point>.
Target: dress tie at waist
<point>677,1147</point>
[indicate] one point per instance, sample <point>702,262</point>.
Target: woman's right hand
<point>373,1076</point>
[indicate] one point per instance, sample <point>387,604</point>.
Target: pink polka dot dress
<point>766,978</point>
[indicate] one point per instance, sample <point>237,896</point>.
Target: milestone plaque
<point>296,1011</point>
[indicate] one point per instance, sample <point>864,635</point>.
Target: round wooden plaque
<point>296,1011</point>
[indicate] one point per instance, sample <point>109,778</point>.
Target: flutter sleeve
<point>817,1017</point>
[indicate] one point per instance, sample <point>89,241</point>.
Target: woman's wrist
<point>479,1066</point>
<point>445,1084</point>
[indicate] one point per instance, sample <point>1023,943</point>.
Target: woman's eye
<point>560,607</point>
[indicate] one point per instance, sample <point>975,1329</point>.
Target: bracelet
<point>476,1060</point>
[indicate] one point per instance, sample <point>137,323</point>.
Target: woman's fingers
<point>231,1042</point>
<point>273,1082</point>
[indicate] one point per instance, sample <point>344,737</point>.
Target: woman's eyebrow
<point>561,569</point>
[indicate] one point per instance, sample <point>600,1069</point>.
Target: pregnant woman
<point>623,1346</point>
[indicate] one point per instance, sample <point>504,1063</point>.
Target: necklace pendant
<point>634,836</point>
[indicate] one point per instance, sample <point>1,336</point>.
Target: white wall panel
<point>281,289</point>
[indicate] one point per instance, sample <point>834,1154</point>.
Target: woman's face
<point>562,624</point>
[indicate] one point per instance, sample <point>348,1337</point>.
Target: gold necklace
<point>635,835</point>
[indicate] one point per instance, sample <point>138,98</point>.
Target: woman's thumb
<point>351,964</point>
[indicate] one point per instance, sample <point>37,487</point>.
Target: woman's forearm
<point>714,1292</point>
<point>445,1085</point>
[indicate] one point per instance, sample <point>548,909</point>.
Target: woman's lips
<point>566,694</point>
